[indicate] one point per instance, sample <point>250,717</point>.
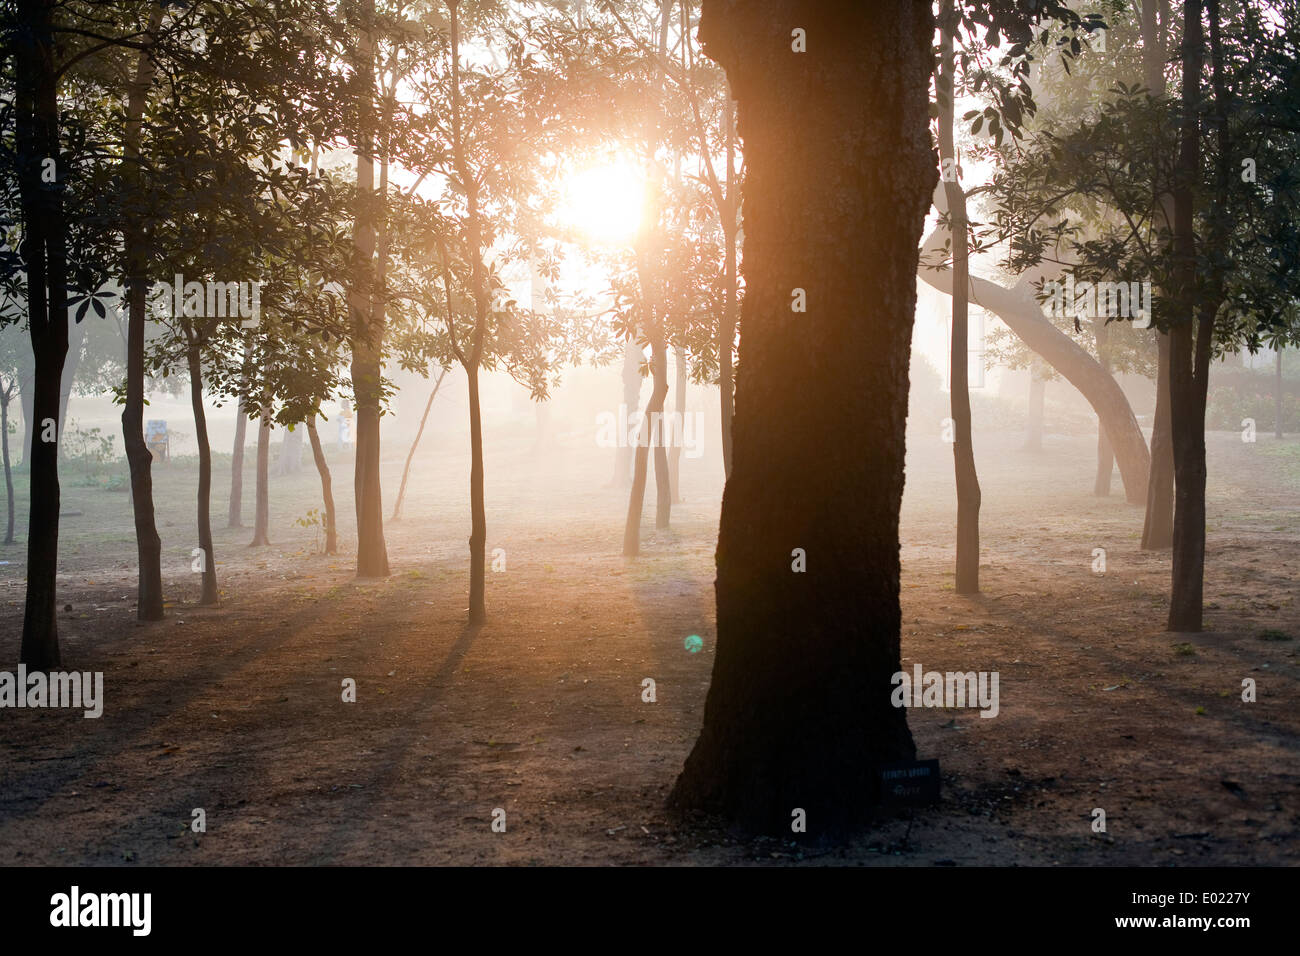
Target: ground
<point>237,709</point>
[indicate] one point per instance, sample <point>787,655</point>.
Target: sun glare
<point>603,203</point>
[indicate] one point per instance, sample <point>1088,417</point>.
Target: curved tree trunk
<point>326,487</point>
<point>647,438</point>
<point>840,170</point>
<point>262,517</point>
<point>208,563</point>
<point>1023,315</point>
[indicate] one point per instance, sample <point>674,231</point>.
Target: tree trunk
<point>1158,526</point>
<point>43,252</point>
<point>663,480</point>
<point>406,471</point>
<point>478,512</point>
<point>76,342</point>
<point>1024,316</point>
<point>208,564</point>
<point>799,712</point>
<point>5,396</point>
<point>963,450</point>
<point>367,336</point>
<point>679,416</point>
<point>289,461</point>
<point>235,517</point>
<point>326,486</point>
<point>137,254</point>
<point>262,516</point>
<point>727,327</point>
<point>1277,397</point>
<point>1105,456</point>
<point>631,400</point>
<point>646,439</point>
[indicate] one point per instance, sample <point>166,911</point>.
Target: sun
<point>604,203</point>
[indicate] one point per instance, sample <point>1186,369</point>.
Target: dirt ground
<point>238,709</point>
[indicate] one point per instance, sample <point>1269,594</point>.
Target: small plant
<point>1200,711</point>
<point>1273,634</point>
<point>1184,650</point>
<point>313,519</point>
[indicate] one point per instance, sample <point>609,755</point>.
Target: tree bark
<point>478,511</point>
<point>367,332</point>
<point>137,255</point>
<point>208,567</point>
<point>727,327</point>
<point>631,400</point>
<point>1023,315</point>
<point>1277,397</point>
<point>663,479</point>
<point>647,438</point>
<point>235,517</point>
<point>839,173</point>
<point>963,450</point>
<point>262,516</point>
<point>326,486</point>
<point>1158,525</point>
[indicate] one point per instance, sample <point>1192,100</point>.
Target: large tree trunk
<point>1190,352</point>
<point>406,471</point>
<point>5,396</point>
<point>326,486</point>
<point>478,511</point>
<point>208,565</point>
<point>137,255</point>
<point>840,171</point>
<point>367,336</point>
<point>1024,316</point>
<point>1105,456</point>
<point>727,327</point>
<point>44,258</point>
<point>262,508</point>
<point>963,450</point>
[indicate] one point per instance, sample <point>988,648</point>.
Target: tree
<point>968,485</point>
<point>798,713</point>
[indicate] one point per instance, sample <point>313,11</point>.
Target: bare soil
<point>237,709</point>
